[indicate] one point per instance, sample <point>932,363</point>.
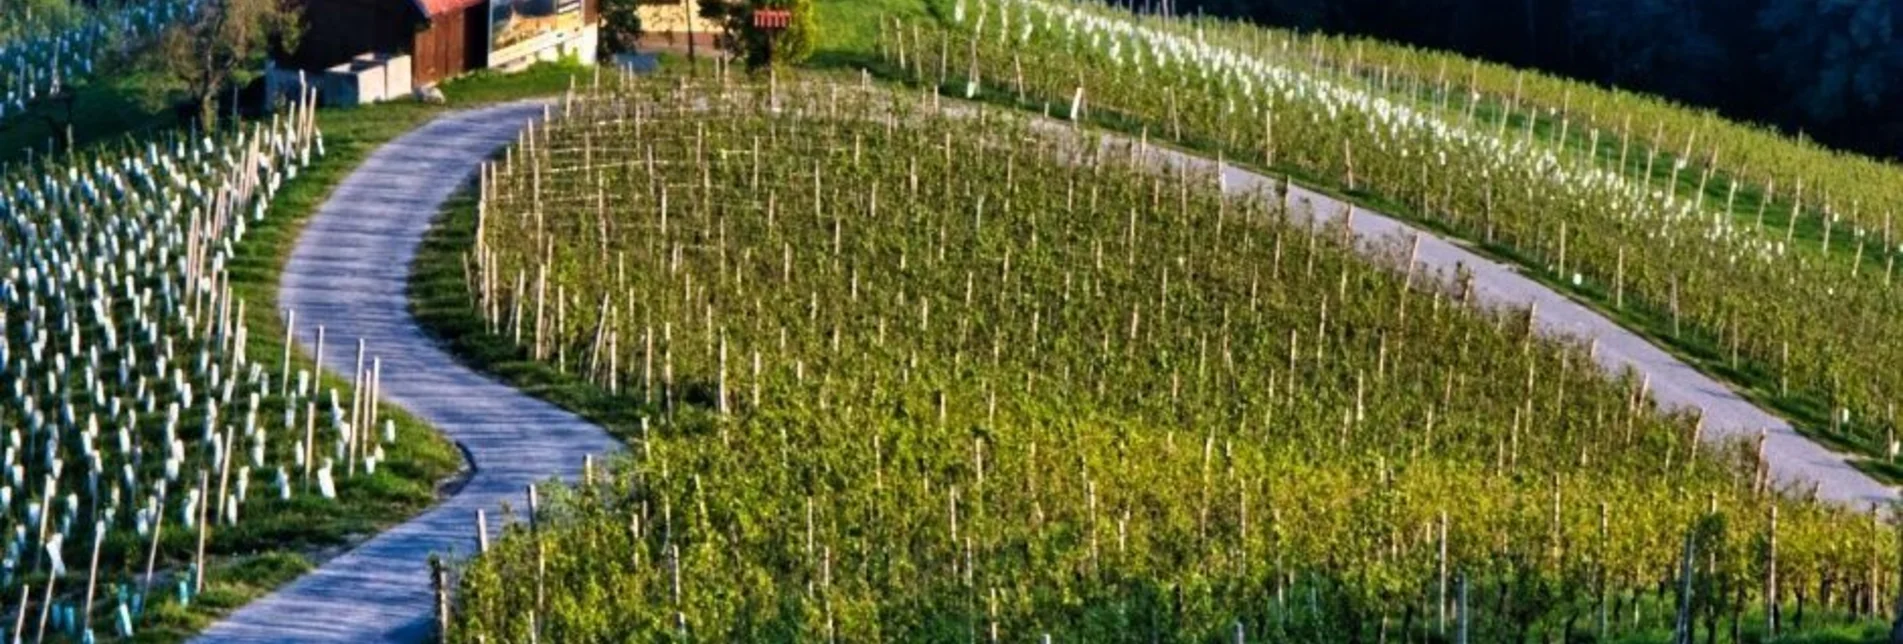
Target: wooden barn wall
<point>442,49</point>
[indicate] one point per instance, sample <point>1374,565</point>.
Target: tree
<point>1655,45</point>
<point>1836,56</point>
<point>620,26</point>
<point>221,47</point>
<point>789,46</point>
<point>731,15</point>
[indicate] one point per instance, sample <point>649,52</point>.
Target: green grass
<point>102,111</point>
<point>850,28</point>
<point>278,541</point>
<point>440,300</point>
<point>111,110</point>
<point>1751,209</point>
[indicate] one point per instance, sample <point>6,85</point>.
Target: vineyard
<point>915,370</point>
<point>148,442</point>
<point>43,56</point>
<point>1765,261</point>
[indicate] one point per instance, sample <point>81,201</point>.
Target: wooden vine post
<point>1770,576</point>
<point>439,583</point>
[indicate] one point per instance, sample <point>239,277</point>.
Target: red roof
<point>772,18</point>
<point>434,8</point>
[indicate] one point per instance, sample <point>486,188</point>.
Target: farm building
<point>672,24</point>
<point>364,51</point>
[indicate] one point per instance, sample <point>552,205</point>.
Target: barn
<point>362,51</point>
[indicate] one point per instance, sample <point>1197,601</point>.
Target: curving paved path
<point>349,272</point>
<point>350,269</point>
<point>1794,459</point>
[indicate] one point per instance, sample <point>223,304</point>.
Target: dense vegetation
<point>156,440</point>
<point>1826,67</point>
<point>914,374</point>
<point>45,53</point>
<point>1773,271</point>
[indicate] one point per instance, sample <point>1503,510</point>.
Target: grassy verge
<point>282,540</point>
<point>441,302</point>
<point>849,29</point>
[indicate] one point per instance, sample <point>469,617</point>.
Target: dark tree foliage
<point>790,46</point>
<point>1832,69</point>
<point>620,26</point>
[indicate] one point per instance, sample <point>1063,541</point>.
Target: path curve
<point>350,272</point>
<point>1794,459</point>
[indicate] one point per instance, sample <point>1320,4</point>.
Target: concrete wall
<point>368,78</point>
<point>397,80</point>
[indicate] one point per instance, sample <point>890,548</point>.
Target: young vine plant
<point>1765,260</point>
<point>917,371</point>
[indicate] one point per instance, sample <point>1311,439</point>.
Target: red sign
<point>772,19</point>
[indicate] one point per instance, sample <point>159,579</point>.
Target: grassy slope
<point>440,299</point>
<point>1696,346</point>
<point>849,28</point>
<point>1704,350</point>
<point>259,556</point>
<point>442,303</point>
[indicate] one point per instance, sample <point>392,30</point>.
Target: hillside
<point>876,389</point>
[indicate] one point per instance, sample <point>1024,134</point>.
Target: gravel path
<point>349,272</point>
<point>350,269</point>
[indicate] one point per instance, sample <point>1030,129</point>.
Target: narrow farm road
<point>350,269</point>
<point>350,272</point>
<point>1794,459</point>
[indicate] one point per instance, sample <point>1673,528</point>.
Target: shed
<point>442,38</point>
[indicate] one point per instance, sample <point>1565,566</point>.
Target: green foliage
<point>852,30</point>
<point>916,375</point>
<point>32,17</point>
<point>620,26</point>
<point>795,44</point>
<point>1689,228</point>
<point>1838,56</point>
<point>221,46</point>
<point>758,47</point>
<point>66,61</point>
